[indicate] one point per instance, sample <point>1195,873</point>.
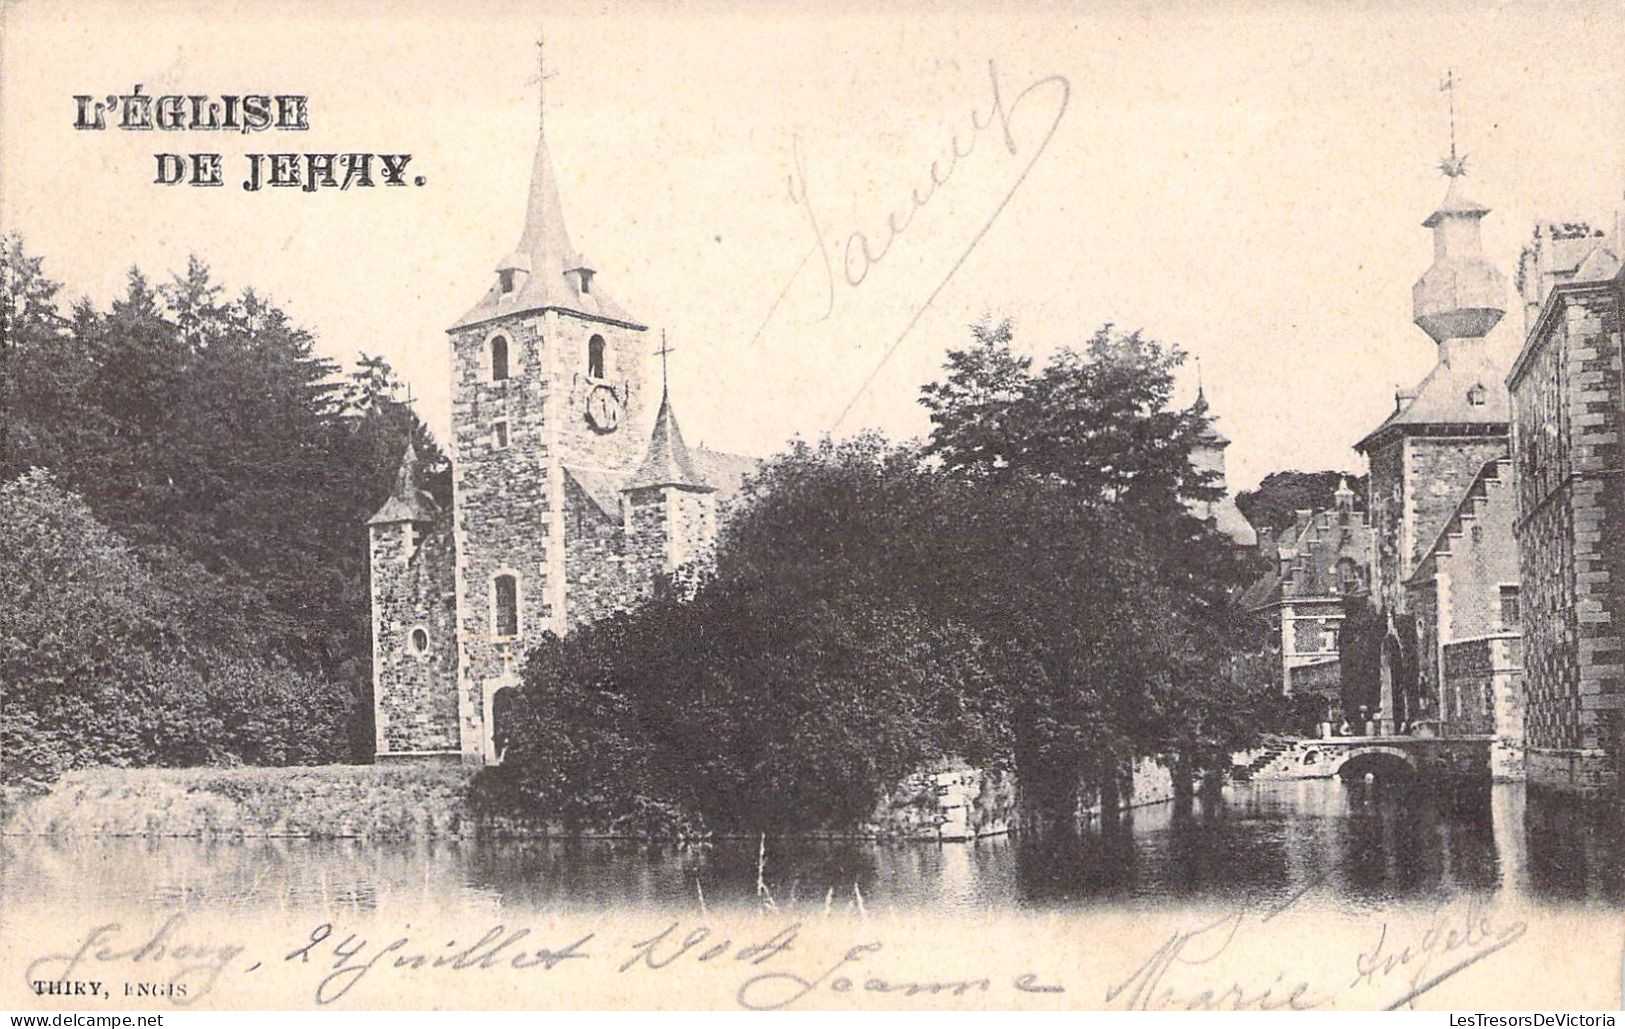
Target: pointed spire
<point>545,271</point>
<point>667,462</point>
<point>406,503</point>
<point>545,241</point>
<point>664,350</point>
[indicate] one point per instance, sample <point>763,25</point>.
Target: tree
<point>1278,499</point>
<point>1123,602</point>
<point>1027,589</point>
<point>203,425</point>
<point>111,657</point>
<point>805,677</point>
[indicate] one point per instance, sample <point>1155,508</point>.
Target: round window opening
<point>420,641</point>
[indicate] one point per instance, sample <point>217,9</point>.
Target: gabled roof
<point>1305,562</point>
<point>601,487</point>
<point>1470,497</point>
<point>725,473</point>
<point>407,503</point>
<point>542,259</point>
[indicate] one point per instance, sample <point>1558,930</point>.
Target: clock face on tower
<point>603,409</point>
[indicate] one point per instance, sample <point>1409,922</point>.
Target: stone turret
<point>413,624</point>
<point>671,509</point>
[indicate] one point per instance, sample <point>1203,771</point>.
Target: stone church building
<point>574,491</point>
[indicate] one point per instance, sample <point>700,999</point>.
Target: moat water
<point>1357,846</point>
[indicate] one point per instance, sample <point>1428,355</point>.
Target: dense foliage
<point>1278,499</point>
<point>207,448</point>
<point>113,658</point>
<point>1026,588</point>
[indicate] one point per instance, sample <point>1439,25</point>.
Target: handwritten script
<point>857,253</point>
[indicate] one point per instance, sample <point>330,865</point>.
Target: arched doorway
<point>502,711</point>
<point>500,694</point>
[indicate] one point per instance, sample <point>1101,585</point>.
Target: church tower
<point>546,373</point>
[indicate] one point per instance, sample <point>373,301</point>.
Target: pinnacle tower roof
<point>548,272</point>
<point>668,462</point>
<point>406,503</point>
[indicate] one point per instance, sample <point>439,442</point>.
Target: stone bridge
<point>1427,758</point>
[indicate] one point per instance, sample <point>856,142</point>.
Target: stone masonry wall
<point>1440,471</point>
<point>1569,399</point>
<point>604,575</point>
<point>1483,560</point>
<point>1385,500</point>
<point>413,587</point>
<point>505,505</point>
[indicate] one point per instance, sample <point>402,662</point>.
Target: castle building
<point>1314,566</point>
<point>573,493</point>
<point>1429,452</point>
<point>1465,598</point>
<point>1568,410</point>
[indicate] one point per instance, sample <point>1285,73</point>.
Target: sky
<point>1247,180</point>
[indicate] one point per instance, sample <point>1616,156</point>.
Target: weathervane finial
<point>1452,166</point>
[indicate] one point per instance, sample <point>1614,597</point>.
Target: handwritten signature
<point>1463,935</point>
<point>861,253</point>
<point>1160,983</point>
<point>352,957</point>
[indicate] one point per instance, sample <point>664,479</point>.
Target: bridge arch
<point>1385,763</point>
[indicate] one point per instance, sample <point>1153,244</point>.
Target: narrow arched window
<point>499,358</point>
<point>595,357</point>
<point>506,602</point>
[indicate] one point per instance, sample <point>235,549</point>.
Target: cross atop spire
<point>544,271</point>
<point>663,351</point>
<point>541,79</point>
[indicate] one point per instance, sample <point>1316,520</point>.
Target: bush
<point>108,659</point>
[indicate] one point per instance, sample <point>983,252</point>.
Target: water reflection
<point>1359,845</point>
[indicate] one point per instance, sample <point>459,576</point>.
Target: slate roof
<point>1444,398</point>
<point>1304,562</point>
<point>542,259</point>
<point>407,503</point>
<point>667,461</point>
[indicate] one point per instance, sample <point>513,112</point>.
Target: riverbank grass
<point>317,802</point>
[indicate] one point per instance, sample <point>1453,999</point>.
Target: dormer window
<point>499,358</point>
<point>595,357</point>
<point>1476,396</point>
<point>505,280</point>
